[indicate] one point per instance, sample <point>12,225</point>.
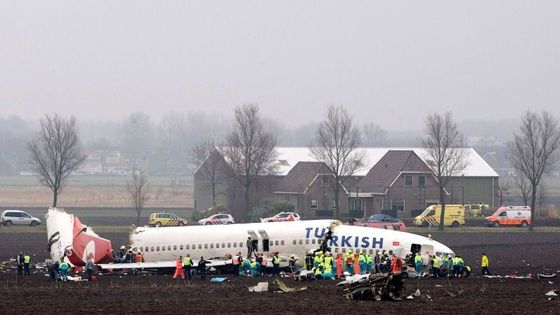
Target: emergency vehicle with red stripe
<point>283,217</point>
<point>217,219</point>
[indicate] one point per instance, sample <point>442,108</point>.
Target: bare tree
<point>524,187</point>
<point>138,189</point>
<point>249,150</point>
<point>336,144</point>
<point>56,152</point>
<point>210,166</point>
<point>373,135</point>
<point>137,135</point>
<point>445,153</point>
<point>503,189</point>
<point>533,151</point>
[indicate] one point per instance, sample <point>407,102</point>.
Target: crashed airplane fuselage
<point>69,238</point>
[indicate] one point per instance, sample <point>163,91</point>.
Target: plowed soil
<point>509,252</point>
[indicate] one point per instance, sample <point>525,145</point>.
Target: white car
<point>283,217</point>
<point>10,217</point>
<point>220,218</point>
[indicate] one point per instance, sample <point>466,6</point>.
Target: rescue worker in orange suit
<point>357,262</point>
<point>396,265</point>
<point>338,261</point>
<point>179,268</point>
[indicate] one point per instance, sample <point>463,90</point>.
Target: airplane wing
<point>218,262</point>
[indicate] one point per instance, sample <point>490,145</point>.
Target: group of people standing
<point>23,262</point>
<point>184,266</point>
<point>352,262</point>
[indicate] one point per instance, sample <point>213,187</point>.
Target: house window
<point>398,205</point>
<point>313,204</point>
<point>421,181</point>
<point>408,180</point>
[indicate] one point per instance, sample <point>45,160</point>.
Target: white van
<point>512,215</point>
<point>9,217</point>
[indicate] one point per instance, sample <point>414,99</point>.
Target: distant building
<point>391,178</point>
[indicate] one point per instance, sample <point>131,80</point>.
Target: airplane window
<point>282,242</point>
<point>240,244</point>
<point>141,249</point>
<point>163,248</point>
<point>153,249</point>
<point>234,244</point>
<point>343,250</point>
<point>187,246</point>
<point>181,247</point>
<point>174,247</point>
<point>307,241</point>
<point>157,248</point>
<point>147,249</point>
<point>371,251</point>
<point>294,242</point>
<point>223,245</point>
<point>212,245</point>
<point>199,246</point>
<point>168,247</point>
<point>217,245</point>
<point>134,249</point>
<point>313,241</point>
<point>300,242</point>
<point>205,246</point>
<point>336,249</point>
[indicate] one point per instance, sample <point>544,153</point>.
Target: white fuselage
<point>288,238</point>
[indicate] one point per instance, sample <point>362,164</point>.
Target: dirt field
<point>509,252</point>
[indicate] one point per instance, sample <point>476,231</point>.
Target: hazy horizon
<point>389,63</point>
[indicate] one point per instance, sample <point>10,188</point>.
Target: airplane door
<point>415,248</point>
<point>254,242</point>
<point>265,240</point>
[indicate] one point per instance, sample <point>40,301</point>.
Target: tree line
<point>249,151</point>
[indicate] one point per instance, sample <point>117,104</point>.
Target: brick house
<point>390,178</point>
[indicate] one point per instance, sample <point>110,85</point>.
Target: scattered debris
<point>284,288</point>
<point>417,293</point>
<point>546,275</point>
<point>553,293</point>
<point>377,286</point>
<point>410,297</point>
<point>218,280</point>
<point>260,287</point>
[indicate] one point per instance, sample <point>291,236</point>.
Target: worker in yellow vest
<point>26,263</point>
<point>187,266</point>
<point>484,264</point>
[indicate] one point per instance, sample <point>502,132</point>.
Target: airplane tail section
<point>69,238</point>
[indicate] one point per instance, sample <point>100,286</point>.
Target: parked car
<point>9,217</point>
<point>166,219</point>
<point>283,217</point>
<point>454,216</point>
<point>220,218</point>
<point>512,215</point>
<point>381,221</point>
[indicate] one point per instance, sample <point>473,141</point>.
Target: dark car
<point>381,221</point>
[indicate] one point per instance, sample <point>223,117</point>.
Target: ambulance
<point>511,215</point>
<point>454,216</point>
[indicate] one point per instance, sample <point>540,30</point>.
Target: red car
<point>381,221</point>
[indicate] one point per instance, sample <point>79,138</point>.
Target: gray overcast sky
<point>390,62</point>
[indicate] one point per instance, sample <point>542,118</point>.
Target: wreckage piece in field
<point>378,286</point>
